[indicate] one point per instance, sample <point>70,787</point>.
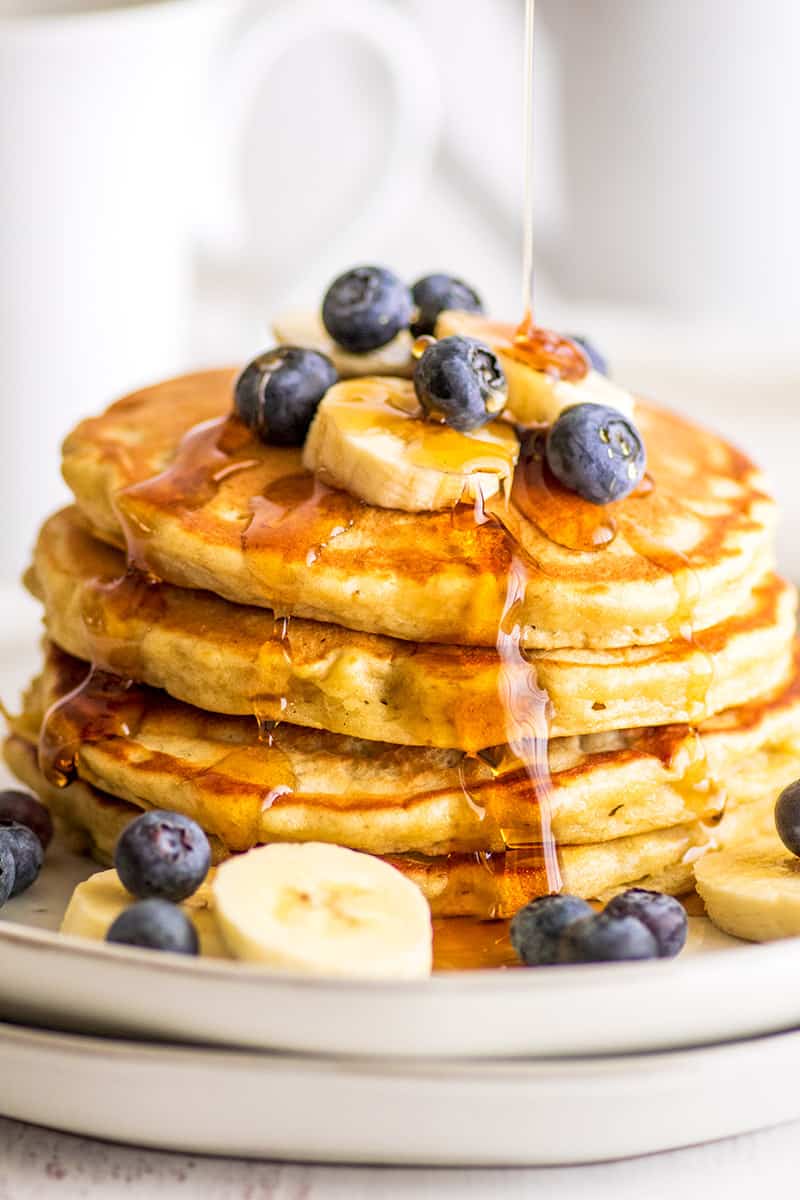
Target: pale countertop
<point>37,1163</point>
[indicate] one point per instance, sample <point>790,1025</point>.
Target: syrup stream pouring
<point>525,704</point>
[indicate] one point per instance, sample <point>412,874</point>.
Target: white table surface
<point>37,1163</point>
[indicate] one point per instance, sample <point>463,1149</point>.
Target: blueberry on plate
<point>365,308</point>
<point>278,393</point>
<point>537,928</point>
<point>162,854</point>
<point>8,873</point>
<point>434,294</point>
<point>787,817</point>
<point>26,850</point>
<point>663,915</point>
<point>602,937</point>
<point>155,925</point>
<point>26,810</point>
<point>597,360</point>
<point>458,380</point>
<point>595,451</point>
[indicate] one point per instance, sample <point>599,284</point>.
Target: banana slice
<point>752,890</point>
<point>368,437</point>
<point>323,910</point>
<point>306,329</point>
<point>533,396</point>
<point>98,901</point>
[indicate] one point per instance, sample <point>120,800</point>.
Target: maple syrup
<point>561,515</point>
<point>270,710</point>
<point>207,455</point>
<point>527,138</point>
<point>468,944</point>
<point>101,706</point>
<point>527,712</point>
<point>530,848</point>
<point>375,406</point>
<point>109,607</point>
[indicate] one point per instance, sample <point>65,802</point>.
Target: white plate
<point>70,983</point>
<point>707,995</point>
<point>279,1106</point>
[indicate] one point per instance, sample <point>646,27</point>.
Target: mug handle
<point>412,138</point>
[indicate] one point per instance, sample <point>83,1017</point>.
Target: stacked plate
<point>496,1067</point>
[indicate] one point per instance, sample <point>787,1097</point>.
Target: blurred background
<point>173,173</point>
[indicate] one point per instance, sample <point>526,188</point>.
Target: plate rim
<point>377,1098</point>
<point>520,978</point>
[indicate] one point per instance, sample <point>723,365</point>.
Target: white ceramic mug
<point>120,141</point>
<point>681,180</point>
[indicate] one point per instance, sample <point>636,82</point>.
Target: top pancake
<point>244,520</point>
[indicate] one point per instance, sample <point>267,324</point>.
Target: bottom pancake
<point>455,885</point>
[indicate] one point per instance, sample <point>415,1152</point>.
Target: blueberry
<point>460,381</point>
<point>787,817</point>
<point>536,929</point>
<point>162,854</point>
<point>156,925</point>
<point>595,451</point>
<point>23,808</point>
<point>663,915</point>
<point>598,361</point>
<point>8,873</point>
<point>603,937</point>
<point>278,393</point>
<point>434,293</point>
<point>26,850</point>
<point>365,308</point>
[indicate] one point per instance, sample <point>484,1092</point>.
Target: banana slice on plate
<point>97,902</point>
<point>534,397</point>
<point>306,329</point>
<point>320,909</point>
<point>752,890</point>
<point>369,437</point>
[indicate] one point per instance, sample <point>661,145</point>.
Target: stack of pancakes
<point>497,706</point>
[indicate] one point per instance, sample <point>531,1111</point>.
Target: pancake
<point>152,751</point>
<point>455,885</point>
<point>239,659</point>
<point>244,520</point>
